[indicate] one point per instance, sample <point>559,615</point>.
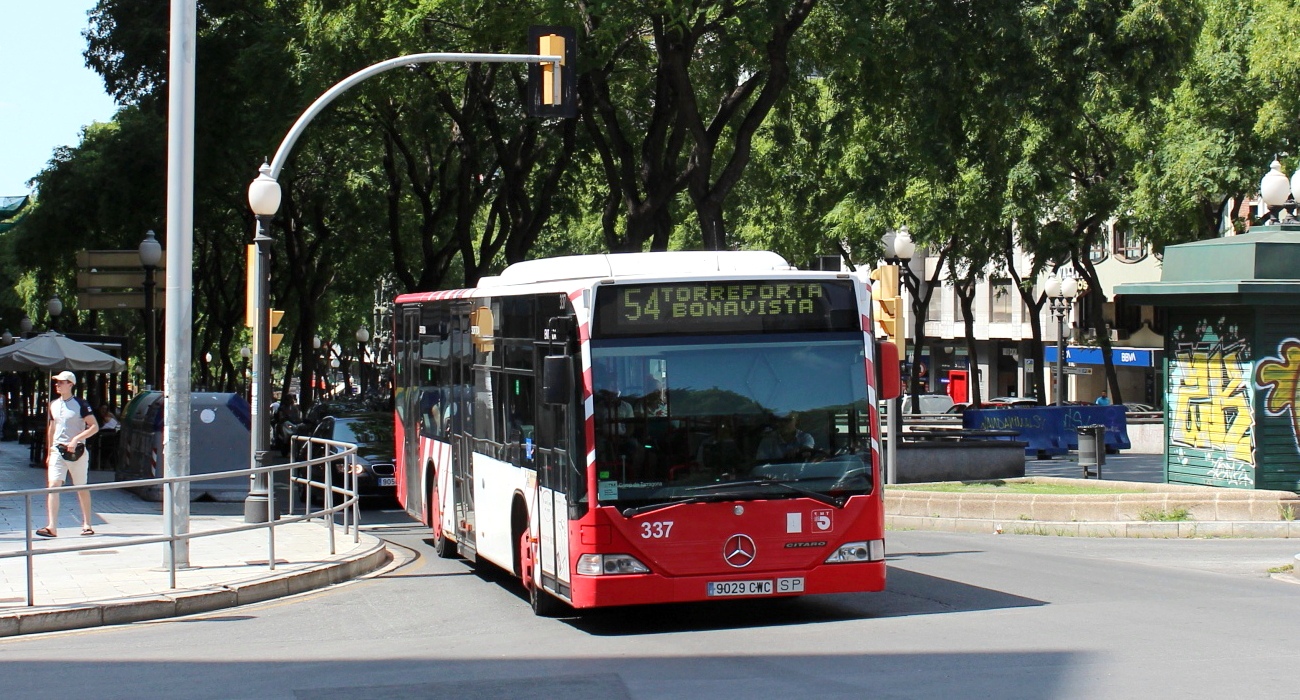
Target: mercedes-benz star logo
<point>739,551</point>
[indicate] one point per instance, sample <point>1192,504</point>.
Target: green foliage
<point>1208,155</point>
<point>806,127</point>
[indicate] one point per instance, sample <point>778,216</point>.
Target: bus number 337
<point>658,530</point>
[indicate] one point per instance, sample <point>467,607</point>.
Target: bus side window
<point>431,412</point>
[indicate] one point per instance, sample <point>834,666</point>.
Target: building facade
<point>1004,336</point>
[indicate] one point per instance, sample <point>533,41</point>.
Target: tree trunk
<point>1096,301</point>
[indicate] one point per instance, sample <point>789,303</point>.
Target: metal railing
<point>333,453</point>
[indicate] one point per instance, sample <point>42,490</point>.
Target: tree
<point>671,98</point>
<point>1210,154</point>
<point>1102,71</point>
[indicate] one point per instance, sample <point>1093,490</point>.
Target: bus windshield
<point>729,417</point>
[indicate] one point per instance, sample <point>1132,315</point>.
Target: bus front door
<point>552,522</point>
<point>461,431</point>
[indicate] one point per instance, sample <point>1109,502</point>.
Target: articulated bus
<point>648,427</point>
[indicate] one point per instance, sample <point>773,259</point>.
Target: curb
<point>190,601</point>
<point>1128,529</point>
<point>1203,504</point>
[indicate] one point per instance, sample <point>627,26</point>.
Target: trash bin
<point>1092,449</point>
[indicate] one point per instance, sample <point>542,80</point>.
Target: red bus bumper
<point>639,589</point>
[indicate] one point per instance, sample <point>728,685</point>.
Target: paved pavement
<point>1120,467</point>
<point>119,582</point>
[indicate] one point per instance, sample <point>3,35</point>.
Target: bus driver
<point>787,441</point>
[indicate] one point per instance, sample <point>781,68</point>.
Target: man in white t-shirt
<point>71,422</point>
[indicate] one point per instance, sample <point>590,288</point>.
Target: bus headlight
<point>853,552</point>
<point>598,564</point>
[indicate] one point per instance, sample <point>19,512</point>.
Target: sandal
<point>45,532</point>
<point>87,531</point>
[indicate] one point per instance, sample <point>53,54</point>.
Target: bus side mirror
<point>557,379</point>
<point>889,381</point>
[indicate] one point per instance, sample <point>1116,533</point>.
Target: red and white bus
<point>648,427</point>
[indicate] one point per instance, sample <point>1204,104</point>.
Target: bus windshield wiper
<point>787,484</point>
<point>629,512</point>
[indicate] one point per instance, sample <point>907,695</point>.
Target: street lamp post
<point>363,337</point>
<point>25,327</point>
<point>55,307</point>
<point>1061,292</point>
<point>1277,193</point>
<point>150,255</point>
<point>899,249</point>
<point>264,200</point>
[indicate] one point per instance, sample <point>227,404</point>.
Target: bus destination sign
<point>731,306</point>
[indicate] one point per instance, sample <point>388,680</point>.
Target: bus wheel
<point>442,546</point>
<point>543,603</point>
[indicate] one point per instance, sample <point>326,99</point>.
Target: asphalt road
<point>965,616</point>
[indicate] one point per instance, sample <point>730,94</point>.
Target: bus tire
<point>542,602</point>
<point>442,545</point>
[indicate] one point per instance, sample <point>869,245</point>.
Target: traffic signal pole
<point>291,138</point>
<point>886,310</point>
<point>264,199</point>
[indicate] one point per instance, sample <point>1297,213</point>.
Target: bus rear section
<point>637,438</point>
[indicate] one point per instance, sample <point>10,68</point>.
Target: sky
<point>47,94</point>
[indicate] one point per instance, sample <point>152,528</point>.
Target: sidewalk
<point>114,585</point>
<point>1145,468</point>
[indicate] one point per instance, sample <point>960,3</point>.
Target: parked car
<point>1140,408</point>
<point>999,402</point>
<point>1014,401</point>
<point>372,433</point>
<point>930,403</point>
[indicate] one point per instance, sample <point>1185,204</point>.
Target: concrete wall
<point>1147,437</point>
<point>920,462</point>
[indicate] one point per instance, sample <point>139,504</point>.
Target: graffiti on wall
<point>1210,393</point>
<point>1277,378</point>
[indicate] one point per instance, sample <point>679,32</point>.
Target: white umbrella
<point>53,352</point>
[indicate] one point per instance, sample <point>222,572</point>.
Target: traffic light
<point>276,315</point>
<point>543,78</point>
<point>887,275</point>
<point>886,304</point>
<point>552,80</point>
<point>887,316</point>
